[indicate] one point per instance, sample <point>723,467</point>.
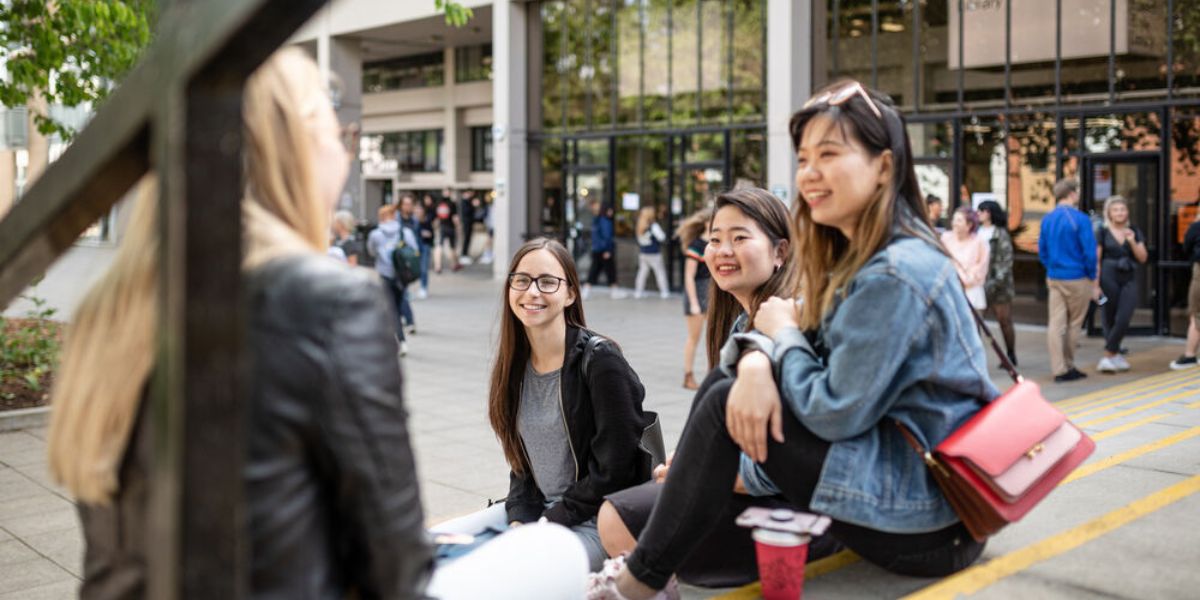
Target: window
<point>402,151</point>
<point>473,63</point>
<point>421,70</point>
<point>481,148</point>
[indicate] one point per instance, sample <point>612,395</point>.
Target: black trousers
<point>1121,291</point>
<point>697,492</point>
<point>608,265</point>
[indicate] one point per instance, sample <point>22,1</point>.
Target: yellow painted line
<point>1194,405</point>
<point>1133,386</point>
<point>1076,414</point>
<point>1107,433</point>
<point>1116,459</point>
<point>1137,409</point>
<point>812,570</point>
<point>976,578</point>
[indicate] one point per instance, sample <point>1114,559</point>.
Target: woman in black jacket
<point>564,403</point>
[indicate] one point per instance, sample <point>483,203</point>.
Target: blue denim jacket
<point>900,345</point>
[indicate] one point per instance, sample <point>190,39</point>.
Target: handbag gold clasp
<point>1034,451</point>
<point>932,463</point>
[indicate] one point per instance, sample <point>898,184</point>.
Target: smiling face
<point>836,176</point>
<point>740,255</point>
<point>1118,213</point>
<point>533,307</point>
<point>960,226</point>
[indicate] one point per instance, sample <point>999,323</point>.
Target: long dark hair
<point>771,216</point>
<point>826,259</point>
<point>504,393</point>
<point>992,208</point>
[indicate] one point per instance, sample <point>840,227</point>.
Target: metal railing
<point>179,113</point>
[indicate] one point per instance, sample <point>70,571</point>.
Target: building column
<point>344,57</point>
<point>510,100</point>
<point>789,83</point>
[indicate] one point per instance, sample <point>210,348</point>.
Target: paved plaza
<point>1127,525</point>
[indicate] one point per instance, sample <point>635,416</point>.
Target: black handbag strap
<point>1004,361</point>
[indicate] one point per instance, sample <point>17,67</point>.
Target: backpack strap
<point>593,344</point>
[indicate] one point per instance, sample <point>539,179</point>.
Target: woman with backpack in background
<point>380,243</point>
<point>551,371</point>
<point>650,238</point>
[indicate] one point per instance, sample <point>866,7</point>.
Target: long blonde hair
<point>644,220</point>
<point>109,351</point>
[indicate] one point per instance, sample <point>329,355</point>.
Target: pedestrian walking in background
<point>650,238</point>
<point>970,254</point>
<point>305,398</point>
<point>380,244</point>
<point>564,403</point>
<point>693,238</point>
<point>447,219</point>
<point>343,232</point>
<point>604,249</point>
<point>1191,250</point>
<point>410,228</point>
<point>1067,249</point>
<point>750,257</point>
<point>489,224</point>
<point>884,336</point>
<point>999,288</point>
<point>1121,249</point>
<point>424,213</point>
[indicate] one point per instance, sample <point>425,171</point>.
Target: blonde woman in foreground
<point>332,502</point>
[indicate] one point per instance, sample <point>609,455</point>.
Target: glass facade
<point>644,103</point>
<point>481,148</point>
<point>473,63</point>
<point>1004,97</point>
<point>421,70</point>
<point>402,151</point>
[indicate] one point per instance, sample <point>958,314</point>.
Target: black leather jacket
<point>331,488</point>
<point>604,424</point>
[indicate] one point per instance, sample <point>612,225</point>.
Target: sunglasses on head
<point>843,93</point>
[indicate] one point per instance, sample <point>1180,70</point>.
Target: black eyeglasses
<point>842,94</point>
<point>546,284</point>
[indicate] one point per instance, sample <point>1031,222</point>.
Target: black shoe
<point>1071,375</point>
<point>1124,350</point>
<point>1183,362</point>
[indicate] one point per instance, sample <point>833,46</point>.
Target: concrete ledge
<point>25,418</point>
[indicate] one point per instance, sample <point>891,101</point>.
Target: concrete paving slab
<point>63,590</point>
<point>14,552</point>
<point>33,574</point>
<point>65,548</point>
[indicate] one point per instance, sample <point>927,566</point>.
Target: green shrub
<point>28,351</point>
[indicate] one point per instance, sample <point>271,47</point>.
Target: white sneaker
<point>465,261</point>
<point>486,258</point>
<point>403,348</point>
<point>1106,365</point>
<point>1120,363</point>
<point>422,293</point>
<point>664,294</point>
<point>602,585</point>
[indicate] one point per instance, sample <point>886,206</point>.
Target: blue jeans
<point>399,303</point>
<point>426,255</point>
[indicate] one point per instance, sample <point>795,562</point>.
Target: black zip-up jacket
<point>1191,242</point>
<point>332,504</point>
<point>604,424</point>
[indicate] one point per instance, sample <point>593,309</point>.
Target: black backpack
<point>652,437</point>
<point>407,261</point>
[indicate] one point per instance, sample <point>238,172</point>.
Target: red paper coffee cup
<point>781,557</point>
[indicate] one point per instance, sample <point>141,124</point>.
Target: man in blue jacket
<point>604,248</point>
<point>1067,248</point>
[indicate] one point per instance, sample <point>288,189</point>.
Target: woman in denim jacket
<point>882,334</point>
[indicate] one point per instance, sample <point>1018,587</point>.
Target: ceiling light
<point>892,27</point>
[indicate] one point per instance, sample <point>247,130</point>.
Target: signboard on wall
<point>1085,30</point>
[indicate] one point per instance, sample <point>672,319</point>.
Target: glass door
<point>588,177</point>
<point>699,172</point>
<point>1136,178</point>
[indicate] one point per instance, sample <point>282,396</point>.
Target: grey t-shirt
<point>542,428</point>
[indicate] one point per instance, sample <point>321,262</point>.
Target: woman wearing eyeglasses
<point>570,433</point>
<point>883,334</point>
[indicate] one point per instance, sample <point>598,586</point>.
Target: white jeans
<point>646,263</point>
<point>540,560</point>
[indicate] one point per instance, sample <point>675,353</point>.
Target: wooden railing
<point>179,113</point>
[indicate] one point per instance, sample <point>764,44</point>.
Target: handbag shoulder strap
<point>1004,361</point>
